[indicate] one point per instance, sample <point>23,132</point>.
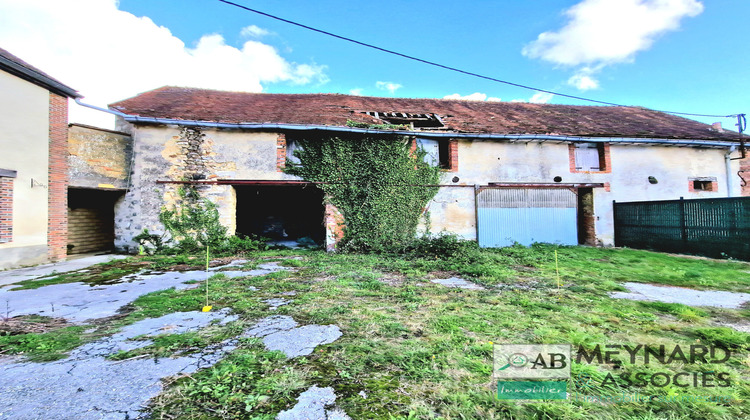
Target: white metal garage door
<point>526,215</point>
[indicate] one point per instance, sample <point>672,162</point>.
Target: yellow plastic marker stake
<point>207,307</point>
<point>557,270</point>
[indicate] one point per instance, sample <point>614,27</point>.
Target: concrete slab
<point>80,302</point>
<point>315,404</point>
<point>685,296</point>
<point>275,303</point>
<point>87,386</point>
<point>280,332</point>
<point>73,264</point>
<point>174,323</point>
<point>457,283</point>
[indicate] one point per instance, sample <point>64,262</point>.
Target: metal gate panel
<point>510,215</point>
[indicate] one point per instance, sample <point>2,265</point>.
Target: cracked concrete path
<point>690,297</point>
<point>80,302</point>
<point>174,323</point>
<point>75,264</point>
<point>281,332</point>
<point>88,386</point>
<point>315,404</point>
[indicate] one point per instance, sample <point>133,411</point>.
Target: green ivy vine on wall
<point>379,184</point>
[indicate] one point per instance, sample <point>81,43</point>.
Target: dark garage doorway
<point>281,213</point>
<point>91,220</point>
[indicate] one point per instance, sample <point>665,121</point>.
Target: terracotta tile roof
<point>14,65</point>
<point>457,115</point>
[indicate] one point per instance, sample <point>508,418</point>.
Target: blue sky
<point>681,55</point>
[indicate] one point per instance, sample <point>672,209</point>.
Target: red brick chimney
<point>717,127</point>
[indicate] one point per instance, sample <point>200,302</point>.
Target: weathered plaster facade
<point>486,161</point>
<point>171,153</point>
<point>24,118</point>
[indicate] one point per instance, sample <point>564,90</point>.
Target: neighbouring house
<point>512,172</point>
<point>33,164</point>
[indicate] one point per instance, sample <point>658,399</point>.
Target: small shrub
<point>238,245</point>
<point>194,223</point>
<point>444,246</point>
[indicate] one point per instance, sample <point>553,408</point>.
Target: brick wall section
<point>57,222</point>
<point>586,217</point>
<point>6,209</point>
<point>714,186</point>
<point>604,158</point>
<point>744,174</point>
<point>334,224</point>
<point>90,230</point>
<point>281,152</point>
<point>453,155</point>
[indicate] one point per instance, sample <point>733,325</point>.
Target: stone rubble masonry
<point>57,222</point>
<point>98,158</point>
<point>6,209</point>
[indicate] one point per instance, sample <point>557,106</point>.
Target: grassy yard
<point>412,349</point>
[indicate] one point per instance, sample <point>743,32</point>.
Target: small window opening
<point>701,185</point>
<point>588,157</point>
<point>437,152</point>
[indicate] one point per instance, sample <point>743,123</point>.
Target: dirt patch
<point>30,324</point>
<point>392,279</point>
<point>442,274</point>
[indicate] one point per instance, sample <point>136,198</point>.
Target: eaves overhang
<point>135,119</point>
<point>37,78</point>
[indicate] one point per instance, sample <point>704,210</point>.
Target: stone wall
<point>98,158</point>
<point>165,157</point>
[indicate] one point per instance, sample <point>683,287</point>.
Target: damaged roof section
<point>407,119</point>
<point>457,116</point>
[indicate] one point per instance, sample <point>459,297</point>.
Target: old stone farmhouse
<point>512,172</point>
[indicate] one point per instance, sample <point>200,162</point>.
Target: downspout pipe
<point>728,163</point>
<point>108,111</point>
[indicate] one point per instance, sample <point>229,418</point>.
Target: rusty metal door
<point>526,216</point>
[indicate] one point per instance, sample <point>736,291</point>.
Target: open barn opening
<point>286,215</point>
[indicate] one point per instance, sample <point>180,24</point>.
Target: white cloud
<point>109,55</point>
<point>389,86</point>
<point>356,91</point>
<point>583,81</point>
<point>476,96</point>
<point>253,31</point>
<point>537,98</point>
<point>604,32</point>
<point>541,98</point>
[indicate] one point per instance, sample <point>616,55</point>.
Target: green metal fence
<point>712,227</point>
